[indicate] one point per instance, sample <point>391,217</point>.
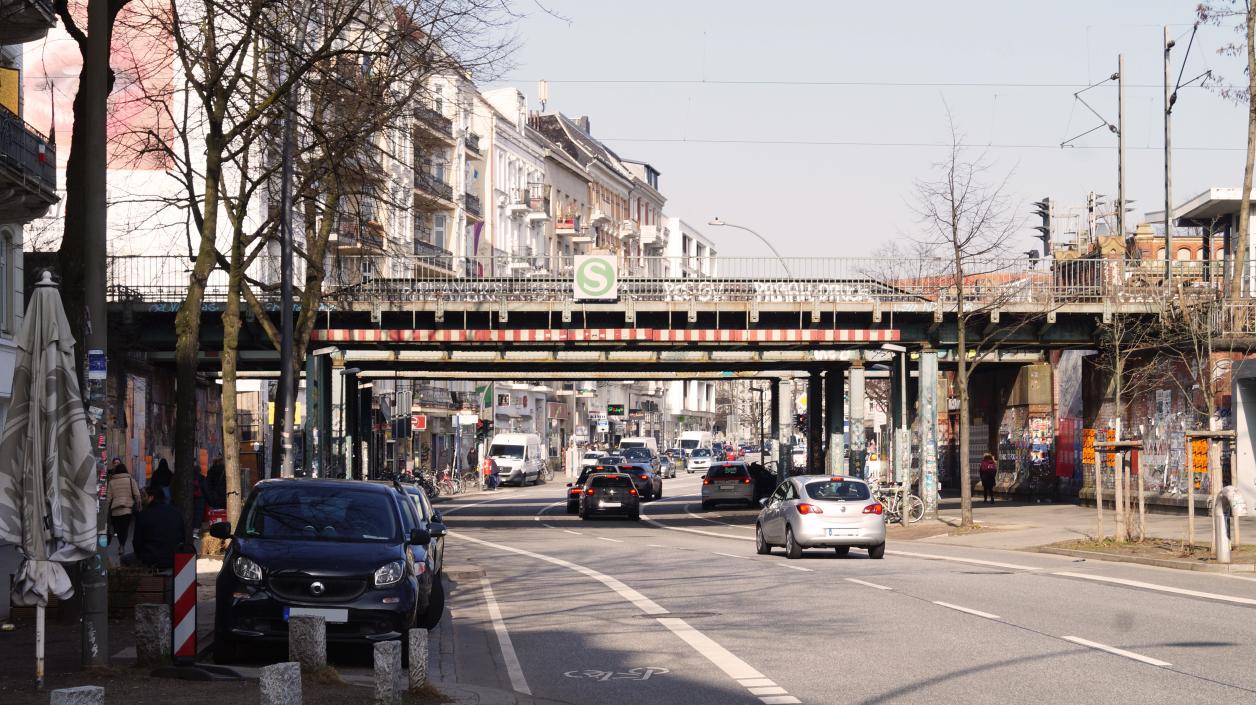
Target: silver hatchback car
<point>812,511</point>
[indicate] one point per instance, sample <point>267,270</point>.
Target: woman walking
<point>123,496</point>
<point>988,469</point>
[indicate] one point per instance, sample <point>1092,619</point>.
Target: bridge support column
<point>815,423</point>
<point>785,419</point>
<point>774,410</point>
<point>317,416</point>
<point>351,433</point>
<point>856,416</point>
<point>834,401</point>
<point>336,441</point>
<point>928,416</point>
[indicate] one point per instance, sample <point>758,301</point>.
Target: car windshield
<point>837,490</point>
<point>701,452</point>
<point>592,456</point>
<point>689,444</point>
<point>610,481</point>
<point>506,451</point>
<point>321,513</point>
<point>727,470</point>
<point>611,460</point>
<point>638,454</point>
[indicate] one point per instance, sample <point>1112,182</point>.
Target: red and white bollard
<point>183,615</point>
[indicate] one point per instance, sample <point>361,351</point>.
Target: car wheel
<point>435,607</point>
<point>761,545</point>
<point>659,494</point>
<point>635,516</point>
<point>572,509</point>
<point>841,550</point>
<point>877,551</point>
<point>792,549</point>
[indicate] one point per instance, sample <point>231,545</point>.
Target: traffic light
<point>1044,209</point>
<point>483,429</point>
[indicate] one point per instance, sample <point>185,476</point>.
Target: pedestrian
<point>216,485</point>
<point>159,531</point>
<point>987,469</point>
<point>491,480</point>
<point>162,478</point>
<point>123,496</point>
<point>763,481</point>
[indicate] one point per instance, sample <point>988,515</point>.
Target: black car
<point>576,489</point>
<point>606,494</point>
<point>641,467</point>
<point>349,551</point>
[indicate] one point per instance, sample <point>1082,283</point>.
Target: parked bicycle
<point>448,483</point>
<point>891,498</point>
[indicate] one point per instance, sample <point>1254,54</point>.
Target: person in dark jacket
<point>216,485</point>
<point>764,481</point>
<point>162,478</point>
<point>988,469</point>
<point>158,531</point>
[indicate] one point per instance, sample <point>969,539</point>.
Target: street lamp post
<point>901,471</point>
<point>719,223</point>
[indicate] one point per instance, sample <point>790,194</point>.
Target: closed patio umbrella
<point>47,474</point>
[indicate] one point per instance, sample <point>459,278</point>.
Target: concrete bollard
<point>152,635</point>
<point>387,672</point>
<point>281,684</point>
<point>82,695</point>
<point>307,641</point>
<point>418,658</point>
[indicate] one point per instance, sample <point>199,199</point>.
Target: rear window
<point>837,490</point>
<point>719,471</point>
<point>610,481</point>
<point>592,456</point>
<point>701,452</point>
<point>638,453</point>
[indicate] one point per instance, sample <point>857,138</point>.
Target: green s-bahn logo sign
<point>596,278</point>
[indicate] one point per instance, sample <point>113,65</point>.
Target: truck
<point>694,439</point>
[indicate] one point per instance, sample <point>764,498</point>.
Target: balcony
<point>433,256</point>
<point>433,189</point>
<point>25,20</point>
<point>354,233</point>
<point>472,203</point>
<point>473,144</point>
<point>654,235</point>
<point>629,230</point>
<point>28,170</point>
<point>435,122</point>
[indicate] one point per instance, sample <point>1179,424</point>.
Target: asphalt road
<point>678,608</point>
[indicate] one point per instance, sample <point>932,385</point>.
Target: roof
<point>1213,203</point>
<point>579,144</point>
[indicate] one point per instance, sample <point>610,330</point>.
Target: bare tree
<point>967,219</point>
<point>1241,16</point>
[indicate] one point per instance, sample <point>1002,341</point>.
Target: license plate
<point>843,532</point>
<point>729,488</point>
<point>331,616</point>
<point>610,504</point>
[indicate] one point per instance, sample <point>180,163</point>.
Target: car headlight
<point>389,574</point>
<point>246,569</point>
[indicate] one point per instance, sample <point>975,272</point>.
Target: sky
<point>653,78</point>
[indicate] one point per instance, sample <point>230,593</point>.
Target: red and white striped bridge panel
<point>183,617</point>
<point>599,335</point>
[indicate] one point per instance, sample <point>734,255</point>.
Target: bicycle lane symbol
<point>635,674</point>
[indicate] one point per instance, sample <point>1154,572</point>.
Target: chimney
<point>583,122</point>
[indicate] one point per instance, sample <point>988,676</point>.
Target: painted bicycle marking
<point>633,674</point>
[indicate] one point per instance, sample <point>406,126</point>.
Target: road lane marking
<point>1114,650</point>
<point>517,681</point>
<point>730,555</point>
<point>779,700</point>
<point>577,533</point>
<point>756,682</point>
<point>769,690</point>
<point>857,581</point>
<point>642,602</point>
<point>968,610</point>
<point>603,538</point>
<point>956,559</point>
<point>795,567</point>
<point>656,545</point>
<point>722,658</point>
<point>1162,588</point>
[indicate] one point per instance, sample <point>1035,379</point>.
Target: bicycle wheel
<point>915,509</point>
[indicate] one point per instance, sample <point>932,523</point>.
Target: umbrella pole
<point>39,647</point>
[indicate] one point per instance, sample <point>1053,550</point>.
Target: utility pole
<point>1169,97</point>
<point>95,81</point>
<point>1120,145</point>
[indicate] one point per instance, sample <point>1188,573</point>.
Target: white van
<point>694,439</point>
<point>640,442</point>
<point>519,457</point>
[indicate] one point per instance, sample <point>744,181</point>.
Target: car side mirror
<point>220,530</point>
<point>569,484</point>
<point>438,518</point>
<point>763,502</point>
<point>420,537</point>
<point>437,529</point>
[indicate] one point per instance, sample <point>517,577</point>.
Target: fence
<point>928,284</point>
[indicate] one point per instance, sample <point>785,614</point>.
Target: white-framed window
<point>6,282</point>
<point>440,223</point>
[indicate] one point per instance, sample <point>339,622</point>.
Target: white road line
<point>655,545</point>
<point>694,531</point>
<point>722,658</point>
<point>956,559</point>
<point>517,681</point>
<point>769,690</point>
<point>577,533</point>
<point>1114,650</point>
<point>1162,588</point>
<point>730,555</point>
<point>857,581</point>
<point>603,538</point>
<point>642,602</point>
<point>756,682</point>
<point>795,567</point>
<point>713,521</point>
<point>968,610</point>
<point>779,700</point>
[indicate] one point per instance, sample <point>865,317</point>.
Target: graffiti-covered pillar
<point>834,418</point>
<point>856,416</point>
<point>815,423</point>
<point>928,416</point>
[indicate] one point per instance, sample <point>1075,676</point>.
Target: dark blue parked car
<point>349,551</point>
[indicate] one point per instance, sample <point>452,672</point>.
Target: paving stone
<point>307,641</point>
<point>281,684</point>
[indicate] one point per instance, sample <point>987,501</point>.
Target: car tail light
<point>805,508</point>
<point>589,491</point>
<point>874,508</point>
<point>706,481</point>
<point>600,467</point>
<point>632,491</point>
<point>746,481</point>
<point>837,478</point>
<point>575,490</point>
<point>645,477</point>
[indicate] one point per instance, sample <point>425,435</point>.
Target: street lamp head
<point>716,221</point>
<point>891,347</point>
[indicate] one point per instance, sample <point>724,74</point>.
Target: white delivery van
<point>694,439</point>
<point>520,457</point>
<point>640,442</point>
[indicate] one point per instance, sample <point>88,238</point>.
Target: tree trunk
<point>1238,282</point>
<point>1099,535</point>
<point>70,259</point>
<point>230,349</point>
<point>1118,474</point>
<point>187,325</point>
<point>1142,507</point>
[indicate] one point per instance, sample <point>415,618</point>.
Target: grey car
<point>814,511</point>
<point>727,482</point>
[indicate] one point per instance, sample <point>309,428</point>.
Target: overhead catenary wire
<point>860,143</point>
<point>814,84</point>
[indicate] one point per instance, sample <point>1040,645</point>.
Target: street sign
<point>419,422</point>
<point>96,366</point>
<point>603,426</point>
<point>614,409</point>
<point>596,278</point>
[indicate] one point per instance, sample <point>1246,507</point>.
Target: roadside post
<point>183,611</point>
<point>1218,529</point>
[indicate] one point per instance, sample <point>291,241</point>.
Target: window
<point>837,490</point>
<point>438,229</point>
<point>6,283</point>
<point>1183,254</point>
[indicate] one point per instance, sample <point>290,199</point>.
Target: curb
<point>1157,562</point>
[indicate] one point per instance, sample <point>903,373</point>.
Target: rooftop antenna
<point>542,92</point>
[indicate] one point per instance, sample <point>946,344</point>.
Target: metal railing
<point>425,181</point>
<point>473,142</point>
<point>435,120</point>
<point>27,152</point>
<point>921,285</point>
<point>472,203</point>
